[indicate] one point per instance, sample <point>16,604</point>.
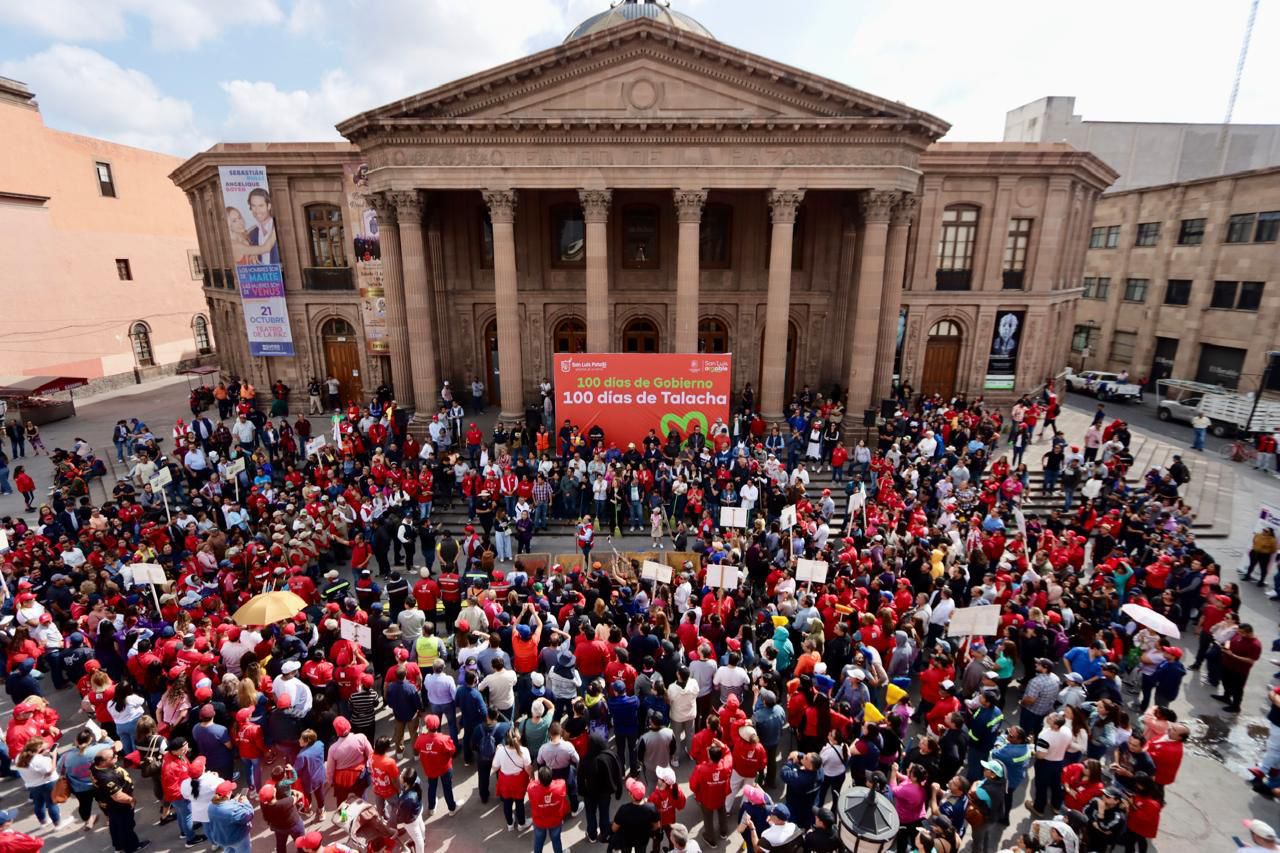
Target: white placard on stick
<point>149,573</point>
<point>981,621</point>
<point>354,631</point>
<point>161,478</point>
<point>787,518</point>
<point>733,516</point>
<point>811,571</point>
<point>315,445</point>
<point>660,572</point>
<point>722,577</point>
<point>235,467</point>
<point>858,499</point>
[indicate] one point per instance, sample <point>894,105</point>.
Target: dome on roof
<point>630,10</point>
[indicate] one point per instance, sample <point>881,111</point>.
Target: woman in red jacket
<point>25,485</point>
<point>668,799</point>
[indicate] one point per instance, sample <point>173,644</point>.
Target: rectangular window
<point>1148,234</point>
<point>1080,339</point>
<point>1015,253</point>
<point>328,246</point>
<point>486,241</point>
<point>1122,347</point>
<point>1224,294</point>
<point>1113,236</point>
<point>123,270</point>
<point>1135,290</point>
<point>640,237</point>
<point>1268,227</point>
<point>1240,227</point>
<point>1250,297</point>
<point>955,248</point>
<point>1191,233</point>
<point>1178,292</point>
<point>1097,238</point>
<point>1096,288</point>
<point>106,184</point>
<point>1090,285</point>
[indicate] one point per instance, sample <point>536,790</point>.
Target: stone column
<point>783,205</point>
<point>877,207</point>
<point>595,213</point>
<point>891,294</point>
<point>418,308</point>
<point>397,318</point>
<point>689,215</point>
<point>502,213</point>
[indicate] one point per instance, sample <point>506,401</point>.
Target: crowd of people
<point>586,687</point>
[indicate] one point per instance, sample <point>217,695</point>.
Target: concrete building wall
<point>1153,324</point>
<point>67,310</point>
<point>1147,153</point>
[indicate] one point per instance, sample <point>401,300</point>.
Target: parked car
<point>1103,385</point>
<point>1179,410</point>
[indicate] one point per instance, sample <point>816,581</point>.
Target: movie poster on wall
<point>251,225</point>
<point>366,253</point>
<point>1002,362</point>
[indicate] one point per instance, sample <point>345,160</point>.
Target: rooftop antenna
<point>1235,87</point>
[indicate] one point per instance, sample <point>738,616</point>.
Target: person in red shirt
<point>426,592</point>
<point>749,758</point>
<point>384,773</point>
<point>710,784</point>
<point>668,799</point>
<point>435,753</point>
<point>1238,657</point>
<point>549,804</point>
<point>1166,753</point>
<point>251,745</point>
<point>12,841</point>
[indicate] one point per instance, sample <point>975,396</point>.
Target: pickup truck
<point>1103,385</point>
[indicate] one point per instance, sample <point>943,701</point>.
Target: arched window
<point>200,328</point>
<point>945,329</point>
<point>570,335</point>
<point>640,335</point>
<point>140,336</point>
<point>324,225</point>
<point>955,247</point>
<point>713,336</point>
<point>337,328</point>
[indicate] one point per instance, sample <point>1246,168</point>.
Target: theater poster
<point>362,224</point>
<point>251,225</point>
<point>1002,362</point>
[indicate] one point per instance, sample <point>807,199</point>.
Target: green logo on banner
<point>683,425</point>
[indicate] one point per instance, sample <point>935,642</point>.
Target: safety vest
<point>428,649</point>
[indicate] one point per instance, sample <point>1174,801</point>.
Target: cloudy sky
<point>178,75</point>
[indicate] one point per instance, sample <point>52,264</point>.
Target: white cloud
<point>174,24</point>
<point>95,96</point>
<point>308,17</point>
<point>417,44</point>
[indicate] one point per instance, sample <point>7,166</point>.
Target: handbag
<point>972,814</point>
<point>61,790</point>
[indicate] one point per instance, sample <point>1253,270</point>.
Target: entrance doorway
<point>789,386</point>
<point>342,359</point>
<point>640,335</point>
<point>492,367</point>
<point>941,359</point>
<point>1162,361</point>
<point>570,335</point>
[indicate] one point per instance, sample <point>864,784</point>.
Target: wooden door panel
<point>343,360</point>
<point>941,359</point>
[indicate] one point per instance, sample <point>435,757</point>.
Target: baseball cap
<point>994,766</point>
<point>1261,829</point>
<point>6,816</point>
<point>226,789</point>
<point>780,811</point>
<point>753,794</point>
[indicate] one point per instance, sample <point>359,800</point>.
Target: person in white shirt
<point>72,557</point>
<point>299,693</point>
<point>682,697</point>
<point>500,684</point>
<point>683,593</point>
<point>732,679</point>
<point>941,615</point>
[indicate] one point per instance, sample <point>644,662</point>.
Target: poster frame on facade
<point>1002,354</point>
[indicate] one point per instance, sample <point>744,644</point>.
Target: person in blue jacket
<point>625,710</point>
<point>230,820</point>
<point>1014,752</point>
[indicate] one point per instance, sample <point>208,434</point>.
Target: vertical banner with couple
<point>252,228</point>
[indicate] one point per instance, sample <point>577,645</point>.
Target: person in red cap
<point>435,753</point>
<point>310,841</point>
<point>175,768</point>
<point>347,760</point>
<point>251,745</point>
<point>282,817</point>
<point>230,823</point>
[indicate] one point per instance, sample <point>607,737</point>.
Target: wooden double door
<point>941,362</point>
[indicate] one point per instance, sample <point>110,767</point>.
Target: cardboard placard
<point>733,516</point>
<point>4,542</point>
<point>315,445</point>
<point>811,571</point>
<point>858,499</point>
<point>354,631</point>
<point>569,562</point>
<point>235,467</point>
<point>148,573</point>
<point>534,564</point>
<point>659,572</point>
<point>981,621</point>
<point>722,577</point>
<point>787,518</point>
<point>161,478</point>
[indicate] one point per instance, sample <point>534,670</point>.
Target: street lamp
<point>868,821</point>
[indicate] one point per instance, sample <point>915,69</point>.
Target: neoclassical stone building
<point>644,187</point>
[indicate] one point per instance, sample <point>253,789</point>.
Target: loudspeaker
<point>868,417</point>
<point>887,408</point>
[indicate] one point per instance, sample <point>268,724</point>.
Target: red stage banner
<point>628,394</point>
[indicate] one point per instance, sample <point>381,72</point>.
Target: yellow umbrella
<point>893,693</point>
<point>871,713</point>
<point>269,608</point>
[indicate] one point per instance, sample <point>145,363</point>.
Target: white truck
<point>1230,413</point>
<point>1101,384</point>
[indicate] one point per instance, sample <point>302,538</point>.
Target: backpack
<point>487,747</point>
<point>609,768</point>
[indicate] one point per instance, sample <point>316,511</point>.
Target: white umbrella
<point>1148,618</point>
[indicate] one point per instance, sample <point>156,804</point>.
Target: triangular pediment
<point>641,71</point>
